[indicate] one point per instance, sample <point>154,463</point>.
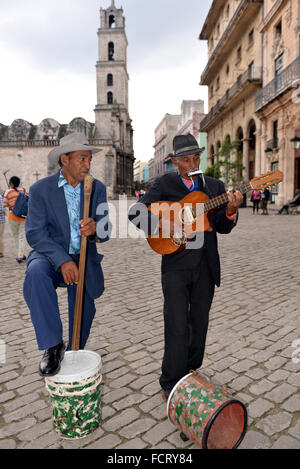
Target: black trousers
<point>255,205</point>
<point>188,296</point>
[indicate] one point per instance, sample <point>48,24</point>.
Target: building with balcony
<point>233,75</point>
<point>145,174</point>
<point>192,113</point>
<point>277,104</point>
<point>163,146</point>
<point>138,171</point>
<point>151,170</point>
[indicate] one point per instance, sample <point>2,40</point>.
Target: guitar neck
<point>223,198</point>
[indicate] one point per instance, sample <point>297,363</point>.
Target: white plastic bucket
<point>75,395</point>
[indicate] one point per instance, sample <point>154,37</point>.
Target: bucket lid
<point>77,366</point>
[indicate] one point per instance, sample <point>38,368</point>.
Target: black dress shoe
<point>165,395</point>
<point>50,363</point>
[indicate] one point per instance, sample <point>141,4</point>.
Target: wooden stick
<point>88,182</point>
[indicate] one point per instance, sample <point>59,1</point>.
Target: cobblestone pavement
<point>254,324</point>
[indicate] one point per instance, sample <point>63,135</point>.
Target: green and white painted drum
<point>207,413</point>
<point>75,394</point>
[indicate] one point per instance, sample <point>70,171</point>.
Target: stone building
<point>233,75</point>
<point>192,113</point>
<point>138,171</point>
<point>112,118</point>
<point>151,170</point>
<point>24,147</point>
<point>163,146</point>
<point>253,74</point>
<point>277,104</point>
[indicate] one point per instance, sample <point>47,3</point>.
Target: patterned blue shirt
<point>72,195</point>
<point>2,211</point>
<point>194,187</point>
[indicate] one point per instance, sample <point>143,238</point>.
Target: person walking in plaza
<point>255,199</point>
<point>54,228</point>
<point>17,224</point>
<point>2,223</point>
<point>188,277</point>
<point>264,201</point>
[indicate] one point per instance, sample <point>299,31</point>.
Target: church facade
<point>24,147</point>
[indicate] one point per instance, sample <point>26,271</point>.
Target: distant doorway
<point>297,173</point>
<point>240,151</point>
<point>252,148</point>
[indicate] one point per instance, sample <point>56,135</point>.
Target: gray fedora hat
<point>184,145</point>
<point>72,142</point>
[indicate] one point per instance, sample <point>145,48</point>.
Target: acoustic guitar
<point>192,214</point>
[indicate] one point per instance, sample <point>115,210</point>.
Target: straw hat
<point>72,142</point>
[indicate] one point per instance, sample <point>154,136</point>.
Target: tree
<point>224,167</point>
<point>231,171</point>
<point>214,171</point>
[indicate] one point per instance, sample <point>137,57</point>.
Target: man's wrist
<point>230,215</point>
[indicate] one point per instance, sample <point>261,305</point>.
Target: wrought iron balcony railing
<point>282,82</point>
<point>244,7</point>
<point>249,76</point>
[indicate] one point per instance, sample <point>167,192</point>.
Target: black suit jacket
<point>171,188</point>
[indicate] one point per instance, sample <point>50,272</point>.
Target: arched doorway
<point>252,148</point>
<point>240,151</point>
<point>212,155</point>
<point>218,151</point>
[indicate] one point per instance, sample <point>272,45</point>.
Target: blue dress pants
<point>40,284</point>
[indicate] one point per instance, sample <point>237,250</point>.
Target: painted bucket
<point>75,394</point>
<point>207,413</point>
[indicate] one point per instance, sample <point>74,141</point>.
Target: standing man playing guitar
<point>189,275</point>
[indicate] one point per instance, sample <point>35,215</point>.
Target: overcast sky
<point>49,48</point>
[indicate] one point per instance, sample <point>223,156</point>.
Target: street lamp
<point>296,142</point>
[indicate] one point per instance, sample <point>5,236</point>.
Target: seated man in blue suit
<point>54,228</point>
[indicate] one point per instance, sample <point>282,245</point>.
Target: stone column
<point>258,149</point>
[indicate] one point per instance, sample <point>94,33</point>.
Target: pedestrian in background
<point>264,201</point>
<point>2,222</point>
<point>295,202</point>
<point>17,224</point>
<point>255,199</point>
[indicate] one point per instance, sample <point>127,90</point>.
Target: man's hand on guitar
<point>168,227</point>
<point>173,230</point>
<point>235,200</point>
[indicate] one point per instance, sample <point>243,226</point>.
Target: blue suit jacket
<point>48,228</point>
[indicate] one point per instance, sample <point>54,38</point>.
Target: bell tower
<point>112,120</point>
<point>112,76</point>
